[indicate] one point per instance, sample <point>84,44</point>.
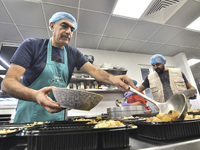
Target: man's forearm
<point>15,89</point>
<point>102,76</point>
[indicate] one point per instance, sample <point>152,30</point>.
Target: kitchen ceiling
<point>99,29</point>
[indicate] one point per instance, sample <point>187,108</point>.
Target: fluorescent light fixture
<point>193,61</point>
<point>2,68</point>
<point>4,62</point>
<point>195,25</point>
<point>2,76</point>
<point>131,8</point>
<point>34,1</point>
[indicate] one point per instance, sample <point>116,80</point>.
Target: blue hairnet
<point>158,58</point>
<point>63,15</point>
<point>135,82</point>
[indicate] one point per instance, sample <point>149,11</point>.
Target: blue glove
<point>194,97</point>
<point>127,94</point>
<point>125,104</point>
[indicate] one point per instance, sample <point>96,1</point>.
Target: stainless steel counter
<point>140,143</point>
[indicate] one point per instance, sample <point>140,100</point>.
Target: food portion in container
<point>4,131</point>
<point>194,110</point>
<point>192,116</point>
<point>171,116</point>
<point>89,121</point>
<point>109,123</point>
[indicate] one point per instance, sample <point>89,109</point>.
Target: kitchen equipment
<point>177,102</point>
<point>125,111</point>
<point>76,99</point>
<point>119,103</point>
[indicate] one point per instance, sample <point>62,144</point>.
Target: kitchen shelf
<point>81,77</point>
<point>111,71</point>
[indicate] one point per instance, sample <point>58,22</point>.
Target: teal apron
<point>54,74</point>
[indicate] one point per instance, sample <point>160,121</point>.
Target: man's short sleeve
<point>23,55</point>
<point>146,82</point>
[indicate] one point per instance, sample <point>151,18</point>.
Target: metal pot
<point>126,111</point>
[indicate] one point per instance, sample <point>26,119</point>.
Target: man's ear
<point>52,26</point>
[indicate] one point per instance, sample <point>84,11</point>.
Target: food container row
<point>66,135</point>
<point>81,135</point>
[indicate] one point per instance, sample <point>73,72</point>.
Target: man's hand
<point>45,101</point>
<point>123,82</point>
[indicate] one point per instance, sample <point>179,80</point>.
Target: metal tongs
<point>119,103</point>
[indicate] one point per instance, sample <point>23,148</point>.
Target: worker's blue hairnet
<point>135,82</point>
<point>158,58</point>
<point>63,15</point>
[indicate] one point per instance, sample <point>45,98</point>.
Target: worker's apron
<point>54,74</point>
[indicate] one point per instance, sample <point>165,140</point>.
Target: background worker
<point>164,82</point>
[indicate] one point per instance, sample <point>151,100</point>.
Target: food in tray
<point>194,110</point>
<point>133,126</point>
<point>109,123</point>
<point>171,116</point>
<point>131,117</point>
<point>4,131</point>
<point>90,121</point>
<point>191,116</point>
<point>99,118</point>
<point>32,124</point>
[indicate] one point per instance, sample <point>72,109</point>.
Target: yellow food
<point>171,116</point>
<point>108,123</point>
<point>90,121</point>
<point>4,131</point>
<point>99,118</point>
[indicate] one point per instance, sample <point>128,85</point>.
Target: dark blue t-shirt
<point>32,55</point>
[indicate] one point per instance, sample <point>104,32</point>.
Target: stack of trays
<point>169,130</point>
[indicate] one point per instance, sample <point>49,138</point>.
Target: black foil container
<point>168,130</point>
<point>9,140</point>
<point>75,136</point>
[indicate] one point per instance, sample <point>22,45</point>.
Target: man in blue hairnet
<point>164,82</point>
<point>46,64</point>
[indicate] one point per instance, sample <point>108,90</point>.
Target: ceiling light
<point>131,8</point>
<point>2,68</point>
<point>193,61</point>
<point>195,25</point>
<point>34,1</point>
